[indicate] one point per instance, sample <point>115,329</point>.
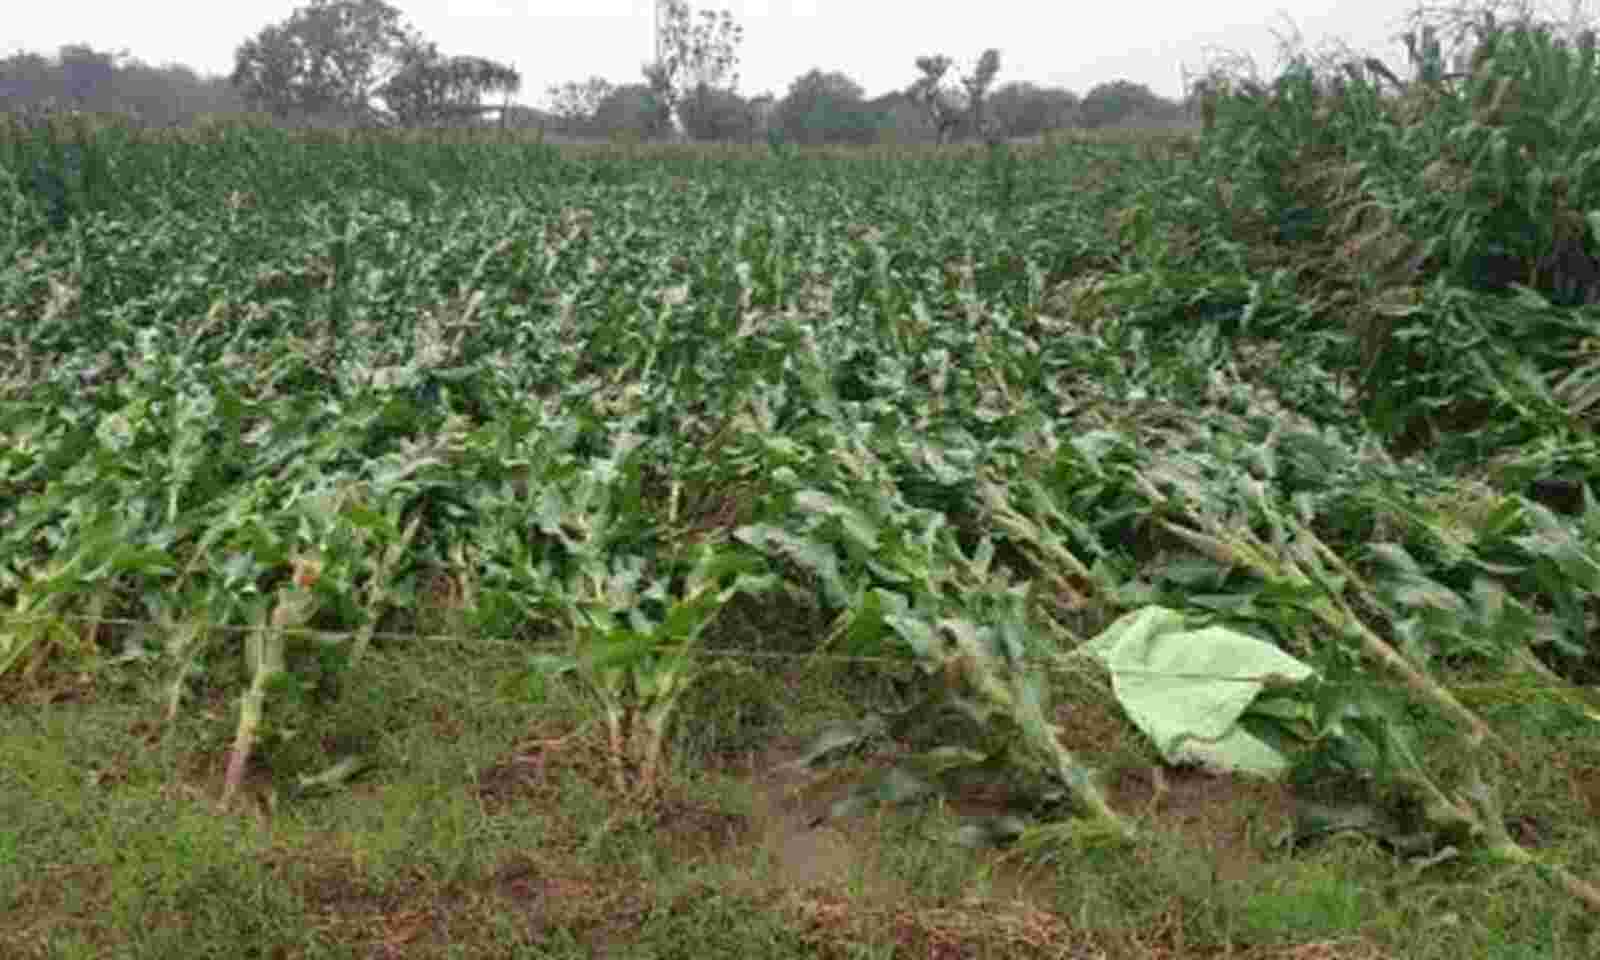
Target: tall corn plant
<point>582,551</point>
<point>1395,188</point>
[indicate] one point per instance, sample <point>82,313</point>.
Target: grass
<point>487,827</point>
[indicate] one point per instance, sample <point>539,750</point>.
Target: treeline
<point>82,78</point>
<point>829,107</point>
<point>357,63</point>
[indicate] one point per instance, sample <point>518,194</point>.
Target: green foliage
<point>332,61</point>
<point>326,59</point>
<point>430,88</point>
<point>1108,104</point>
<point>826,108</point>
<point>82,78</point>
<point>714,115</point>
<point>961,409</point>
<point>632,110</point>
<point>1023,110</point>
<point>1445,215</point>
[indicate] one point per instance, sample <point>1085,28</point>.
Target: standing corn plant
<point>634,612</point>
<point>638,663</point>
<point>344,547</point>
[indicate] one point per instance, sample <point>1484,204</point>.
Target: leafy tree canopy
<point>631,110</point>
<point>358,61</point>
<point>826,107</point>
<point>82,78</point>
<point>1026,110</point>
<point>712,113</point>
<point>430,88</point>
<point>1111,103</point>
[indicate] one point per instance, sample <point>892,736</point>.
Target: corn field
<point>1326,374</point>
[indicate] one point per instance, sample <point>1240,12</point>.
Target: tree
<point>1120,101</point>
<point>89,77</point>
<point>328,58</point>
<point>977,84</point>
<point>763,112</point>
<point>716,114</point>
<point>901,117</point>
<point>942,105</point>
<point>1024,110</point>
<point>697,59</point>
<point>576,102</point>
<point>83,78</point>
<point>826,108</point>
<point>172,95</point>
<point>631,110</point>
<point>430,88</point>
<point>337,59</point>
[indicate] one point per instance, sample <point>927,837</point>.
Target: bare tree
<point>977,84</point>
<point>576,102</point>
<point>942,105</point>
<point>698,59</point>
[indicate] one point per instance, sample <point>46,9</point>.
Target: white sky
<point>1075,45</point>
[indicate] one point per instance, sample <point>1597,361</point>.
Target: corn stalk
<point>639,668</point>
<point>1474,806</point>
<point>264,655</point>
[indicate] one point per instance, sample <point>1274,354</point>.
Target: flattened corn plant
<point>604,396</point>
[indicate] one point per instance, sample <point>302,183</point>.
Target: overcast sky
<point>1075,45</point>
